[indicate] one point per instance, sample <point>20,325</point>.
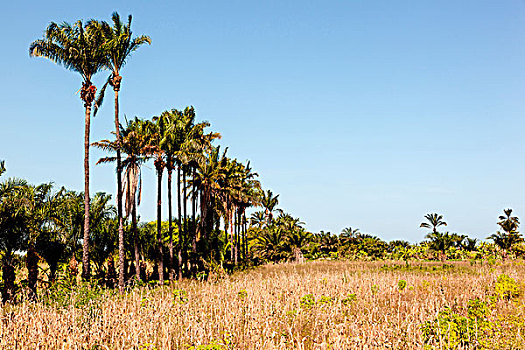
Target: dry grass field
<point>316,305</point>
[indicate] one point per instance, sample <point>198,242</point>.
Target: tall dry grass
<point>267,308</point>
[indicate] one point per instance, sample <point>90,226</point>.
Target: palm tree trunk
<point>181,237</point>
<point>119,198</point>
<point>85,243</point>
<point>184,201</point>
<point>194,219</point>
<point>245,235</point>
<point>160,254</point>
<point>135,239</point>
<point>32,271</point>
<point>8,275</point>
<point>170,228</point>
<point>236,236</point>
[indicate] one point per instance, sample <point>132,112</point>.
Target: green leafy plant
<point>401,285</point>
<point>374,289</point>
<point>350,298</point>
<point>325,300</point>
<point>307,301</point>
<point>452,329</point>
<point>507,288</point>
<point>180,296</point>
<point>242,294</point>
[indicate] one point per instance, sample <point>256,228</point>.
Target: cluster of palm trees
<point>208,181</point>
<point>506,240</point>
<point>48,225</point>
<point>211,188</point>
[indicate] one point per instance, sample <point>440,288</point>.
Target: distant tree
<point>440,242</point>
<point>434,221</point>
<point>258,219</point>
<point>510,236</point>
<point>269,245</point>
<point>269,203</point>
<point>469,244</point>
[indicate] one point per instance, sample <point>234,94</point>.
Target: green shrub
<point>349,299</point>
<point>307,301</point>
<point>452,330</point>
<point>242,294</point>
<point>507,288</point>
<point>401,285</point>
<point>180,296</point>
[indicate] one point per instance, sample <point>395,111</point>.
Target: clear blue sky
<point>367,114</point>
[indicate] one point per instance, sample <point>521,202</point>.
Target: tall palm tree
<point>134,143</point>
<point>156,131</point>
<point>119,45</point>
<point>170,143</point>
<point>434,221</point>
<point>80,49</point>
<point>190,151</point>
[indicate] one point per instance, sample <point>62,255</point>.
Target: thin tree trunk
<point>8,276</point>
<point>170,267</point>
<point>85,243</point>
<point>32,271</point>
<point>194,219</point>
<point>245,235</point>
<point>237,236</point>
<point>160,254</point>
<point>135,239</point>
<point>184,201</point>
<point>232,242</point>
<point>119,197</point>
<point>181,237</point>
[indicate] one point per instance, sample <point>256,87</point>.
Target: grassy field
<point>316,305</point>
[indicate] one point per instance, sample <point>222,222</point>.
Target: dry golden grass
<point>269,308</point>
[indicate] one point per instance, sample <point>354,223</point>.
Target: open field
<point>317,305</point>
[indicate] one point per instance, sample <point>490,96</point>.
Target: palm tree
<point>510,236</point>
<point>258,219</point>
<point>2,167</point>
<point>13,233</point>
<point>78,48</point>
<point>38,206</point>
<point>434,221</point>
<point>103,232</point>
<point>156,131</point>
<point>269,202</point>
<point>133,143</point>
<point>440,242</point>
<point>119,44</point>
<point>469,244</point>
<point>270,244</point>
<point>170,143</point>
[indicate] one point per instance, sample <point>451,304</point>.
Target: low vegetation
<point>315,305</point>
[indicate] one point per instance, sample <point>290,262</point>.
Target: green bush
<point>507,288</point>
<point>452,330</point>
<point>307,301</point>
